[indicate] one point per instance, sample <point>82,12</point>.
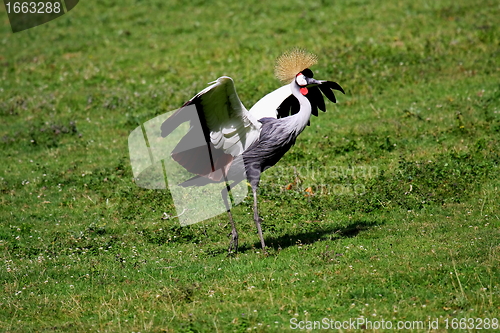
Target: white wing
<point>232,128</point>
<point>224,121</point>
<point>267,106</point>
<point>221,130</point>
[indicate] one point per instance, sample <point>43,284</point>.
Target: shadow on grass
<point>310,237</point>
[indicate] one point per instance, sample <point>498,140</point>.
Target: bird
<point>240,144</point>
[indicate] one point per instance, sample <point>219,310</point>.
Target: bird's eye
<point>301,80</point>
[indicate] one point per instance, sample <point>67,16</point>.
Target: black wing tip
<point>289,106</point>
<point>328,92</point>
<point>336,86</point>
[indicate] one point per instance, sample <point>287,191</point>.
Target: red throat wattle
<point>303,91</point>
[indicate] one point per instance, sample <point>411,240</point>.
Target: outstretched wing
<point>221,129</point>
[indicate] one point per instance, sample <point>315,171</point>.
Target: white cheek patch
<point>301,81</point>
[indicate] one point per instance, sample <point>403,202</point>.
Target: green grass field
<point>403,222</point>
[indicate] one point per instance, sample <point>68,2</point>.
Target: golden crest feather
<point>292,62</point>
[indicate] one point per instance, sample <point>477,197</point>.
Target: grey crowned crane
<point>241,143</point>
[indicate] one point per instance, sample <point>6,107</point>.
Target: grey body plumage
<point>276,138</point>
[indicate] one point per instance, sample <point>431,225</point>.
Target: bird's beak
<point>313,82</point>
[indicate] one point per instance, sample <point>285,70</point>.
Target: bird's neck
<point>300,119</point>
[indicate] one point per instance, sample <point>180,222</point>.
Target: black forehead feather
<point>307,72</point>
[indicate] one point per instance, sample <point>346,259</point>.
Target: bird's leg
<point>233,245</point>
<point>257,218</point>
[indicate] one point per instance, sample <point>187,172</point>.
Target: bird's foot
<point>233,244</point>
<point>264,248</point>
